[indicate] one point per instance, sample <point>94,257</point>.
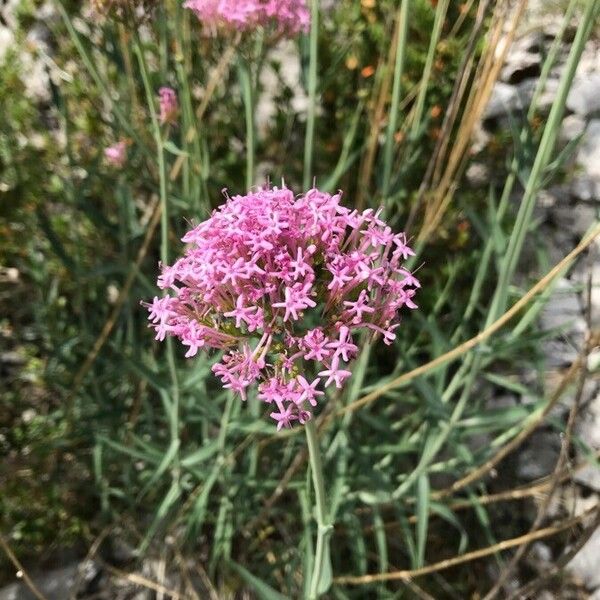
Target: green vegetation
<point>101,426</point>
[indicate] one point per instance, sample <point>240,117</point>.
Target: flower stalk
<point>312,93</point>
<point>321,575</point>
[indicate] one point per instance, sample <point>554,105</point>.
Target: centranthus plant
<point>282,285</point>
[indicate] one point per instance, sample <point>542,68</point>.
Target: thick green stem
<point>312,94</point>
<point>323,527</point>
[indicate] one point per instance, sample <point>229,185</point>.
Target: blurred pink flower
<point>169,107</point>
<point>116,155</point>
<point>281,284</point>
<point>289,16</point>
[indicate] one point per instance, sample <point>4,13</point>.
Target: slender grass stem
<point>542,159</point>
<point>393,120</point>
<point>164,247</point>
<point>246,85</point>
<point>551,58</point>
<point>124,122</point>
<point>323,527</point>
<point>440,15</point>
<point>312,94</point>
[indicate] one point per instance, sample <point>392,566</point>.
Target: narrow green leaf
<point>162,467</point>
<point>422,517</point>
<point>200,455</point>
<point>264,591</point>
<point>170,147</point>
<point>165,506</point>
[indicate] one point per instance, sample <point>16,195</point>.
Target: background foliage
<point>91,430</point>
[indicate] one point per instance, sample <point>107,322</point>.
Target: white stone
<point>588,426</point>
<point>504,101</point>
<point>571,127</point>
<point>588,155</point>
<point>584,97</point>
<point>585,566</point>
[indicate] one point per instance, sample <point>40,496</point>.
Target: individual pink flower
<point>169,107</point>
<point>288,16</point>
<point>116,155</point>
<point>283,285</point>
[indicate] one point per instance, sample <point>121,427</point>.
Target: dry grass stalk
<point>464,75</point>
<point>382,93</point>
<point>480,92</point>
<point>523,434</point>
<point>555,477</point>
<point>116,310</point>
<point>463,348</point>
<point>21,572</point>
<point>469,556</point>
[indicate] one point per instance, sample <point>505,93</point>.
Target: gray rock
<point>585,188</point>
<point>589,267</point>
<point>121,551</point>
<point>541,553</point>
<point>563,311</point>
<point>500,401</point>
<point>12,358</point>
<point>584,97</point>
<point>588,426</point>
<point>521,64</point>
<point>11,592</point>
<point>588,155</point>
<point>504,101</point>
<point>576,219</point>
<point>563,406</point>
<point>540,456</point>
<point>589,476</point>
<point>58,584</point>
<point>571,127</point>
<point>526,90</point>
<point>585,563</point>
<point>478,175</point>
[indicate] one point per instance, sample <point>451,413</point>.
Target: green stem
<point>440,15</point>
<point>312,94</point>
<point>246,84</point>
<point>550,59</point>
<point>323,527</point>
<point>106,92</point>
<point>542,159</point>
<point>164,247</point>
<point>393,121</point>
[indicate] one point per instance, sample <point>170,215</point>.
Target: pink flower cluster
<point>167,101</point>
<point>282,284</point>
<point>290,16</point>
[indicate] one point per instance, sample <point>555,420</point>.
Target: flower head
<point>289,16</point>
<point>167,100</point>
<point>116,155</point>
<point>283,285</point>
